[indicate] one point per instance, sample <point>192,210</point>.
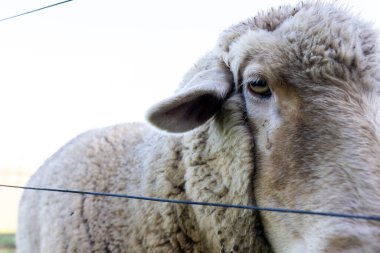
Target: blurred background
<point>92,63</point>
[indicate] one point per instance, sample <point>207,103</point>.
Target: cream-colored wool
<point>313,144</point>
<point>199,166</point>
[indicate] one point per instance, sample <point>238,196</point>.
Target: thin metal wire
<point>39,9</point>
<point>174,201</point>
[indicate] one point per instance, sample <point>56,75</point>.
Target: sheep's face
<point>312,101</point>
<point>309,81</point>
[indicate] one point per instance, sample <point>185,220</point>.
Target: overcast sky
<point>92,63</point>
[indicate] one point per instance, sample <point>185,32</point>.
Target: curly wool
<point>198,166</point>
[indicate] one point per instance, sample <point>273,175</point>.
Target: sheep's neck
<point>219,168</point>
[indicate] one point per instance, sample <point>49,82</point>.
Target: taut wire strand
<point>256,208</point>
<point>39,9</point>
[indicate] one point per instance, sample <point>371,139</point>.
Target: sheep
<point>281,113</point>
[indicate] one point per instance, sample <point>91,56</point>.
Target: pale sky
<point>93,63</point>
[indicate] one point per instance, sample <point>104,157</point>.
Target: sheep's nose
<point>354,244</point>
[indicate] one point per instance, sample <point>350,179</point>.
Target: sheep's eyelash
<point>253,78</point>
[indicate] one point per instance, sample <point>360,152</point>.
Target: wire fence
<point>221,205</point>
<point>184,202</point>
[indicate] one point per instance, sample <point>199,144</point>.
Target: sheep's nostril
<point>340,243</point>
<point>352,244</point>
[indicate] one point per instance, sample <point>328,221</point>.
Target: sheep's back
<point>118,159</point>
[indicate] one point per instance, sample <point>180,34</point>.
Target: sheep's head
<point>309,79</point>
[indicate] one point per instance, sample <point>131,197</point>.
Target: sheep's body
<point>132,159</point>
<point>281,110</point>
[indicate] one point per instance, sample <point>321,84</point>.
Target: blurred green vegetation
<point>7,243</point>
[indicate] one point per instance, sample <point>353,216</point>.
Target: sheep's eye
<point>259,88</point>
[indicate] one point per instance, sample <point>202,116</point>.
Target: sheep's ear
<point>194,103</point>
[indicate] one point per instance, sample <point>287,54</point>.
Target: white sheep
<point>282,113</point>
